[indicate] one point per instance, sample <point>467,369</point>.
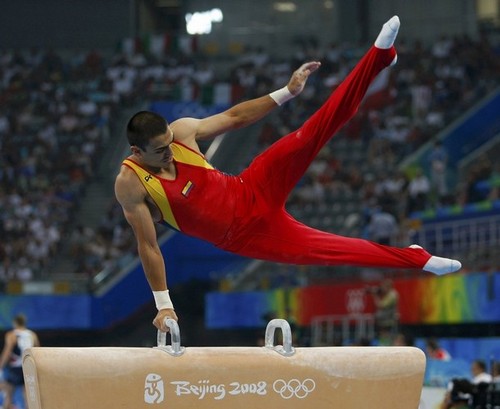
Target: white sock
<point>440,265</point>
<point>388,34</point>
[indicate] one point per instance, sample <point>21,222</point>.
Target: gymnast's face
<point>157,152</point>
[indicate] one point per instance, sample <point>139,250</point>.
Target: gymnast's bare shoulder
<point>130,192</point>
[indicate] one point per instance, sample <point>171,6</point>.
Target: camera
<point>480,396</point>
<point>375,290</point>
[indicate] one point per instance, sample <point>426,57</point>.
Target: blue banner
<point>55,311</point>
<point>236,310</point>
<point>175,110</point>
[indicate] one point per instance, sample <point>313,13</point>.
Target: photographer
<point>459,395</point>
<point>386,300</point>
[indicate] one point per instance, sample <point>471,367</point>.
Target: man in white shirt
<point>479,374</point>
<point>16,341</point>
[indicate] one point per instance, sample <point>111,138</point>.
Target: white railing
<point>328,330</point>
<point>479,235</point>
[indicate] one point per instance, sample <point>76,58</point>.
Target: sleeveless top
<point>24,340</point>
<point>201,201</point>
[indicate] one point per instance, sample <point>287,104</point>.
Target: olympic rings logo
<point>355,300</point>
<point>294,388</point>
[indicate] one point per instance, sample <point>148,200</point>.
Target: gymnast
<point>166,179</point>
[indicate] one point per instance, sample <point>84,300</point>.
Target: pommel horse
<point>272,376</point>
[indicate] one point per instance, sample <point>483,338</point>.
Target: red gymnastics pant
<point>269,232</point>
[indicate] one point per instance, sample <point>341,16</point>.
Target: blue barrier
<point>476,129</point>
<point>439,373</point>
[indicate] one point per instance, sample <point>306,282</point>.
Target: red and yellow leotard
<point>246,214</point>
<point>200,202</point>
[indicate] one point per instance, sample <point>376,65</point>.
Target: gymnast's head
<point>150,137</point>
<point>144,126</point>
<point>19,321</point>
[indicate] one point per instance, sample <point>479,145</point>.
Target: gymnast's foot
<point>387,35</point>
<point>439,265</point>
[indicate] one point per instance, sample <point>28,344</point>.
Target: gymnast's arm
<point>188,130</point>
<point>36,340</point>
<point>132,197</point>
<point>10,342</point>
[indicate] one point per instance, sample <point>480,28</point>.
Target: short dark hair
<point>20,320</point>
<point>480,364</point>
<point>143,127</point>
<point>432,343</point>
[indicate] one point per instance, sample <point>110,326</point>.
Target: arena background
<point>82,24</point>
<point>114,306</point>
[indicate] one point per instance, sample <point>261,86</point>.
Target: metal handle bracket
<point>175,336</point>
<point>286,349</point>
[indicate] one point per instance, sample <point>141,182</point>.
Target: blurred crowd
<point>54,120</point>
<point>56,112</point>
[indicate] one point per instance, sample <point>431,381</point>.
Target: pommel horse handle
<point>286,349</point>
<point>175,336</point>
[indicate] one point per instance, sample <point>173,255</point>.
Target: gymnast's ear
<point>136,151</point>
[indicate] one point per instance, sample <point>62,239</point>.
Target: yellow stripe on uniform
<point>155,189</point>
<point>185,155</point>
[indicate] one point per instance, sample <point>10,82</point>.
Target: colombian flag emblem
<point>187,188</point>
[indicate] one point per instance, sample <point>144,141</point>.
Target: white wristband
<point>162,300</point>
<point>281,95</point>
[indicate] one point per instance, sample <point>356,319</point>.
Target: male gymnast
<point>167,179</point>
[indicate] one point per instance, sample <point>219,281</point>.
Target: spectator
<point>418,191</point>
<point>495,371</point>
<point>435,351</point>
<point>479,373</point>
<point>383,227</point>
<point>403,339</point>
<point>438,162</point>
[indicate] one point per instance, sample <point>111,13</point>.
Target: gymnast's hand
<point>300,76</point>
<point>159,321</point>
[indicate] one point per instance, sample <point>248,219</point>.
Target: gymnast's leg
<point>276,171</point>
<point>277,236</point>
<point>280,238</point>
